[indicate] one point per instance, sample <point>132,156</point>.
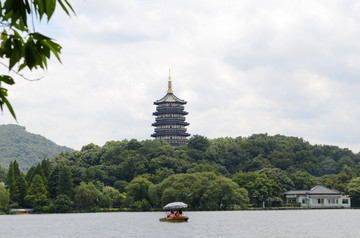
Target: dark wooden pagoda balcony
<point>174,131</point>
<point>169,133</point>
<point>170,111</point>
<point>172,122</point>
<point>160,107</point>
<point>172,119</point>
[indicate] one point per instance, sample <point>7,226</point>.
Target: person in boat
<point>179,213</point>
<point>171,214</point>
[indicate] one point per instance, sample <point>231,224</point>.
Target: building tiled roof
<point>296,192</point>
<point>323,190</point>
<point>170,97</point>
<point>317,190</point>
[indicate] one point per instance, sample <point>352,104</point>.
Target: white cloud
<point>282,67</point>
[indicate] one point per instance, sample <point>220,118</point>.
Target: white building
<point>318,197</point>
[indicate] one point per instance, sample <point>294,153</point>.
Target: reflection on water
<point>293,223</point>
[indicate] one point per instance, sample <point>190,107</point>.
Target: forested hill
<point>156,160</point>
<point>26,148</point>
<point>216,174</point>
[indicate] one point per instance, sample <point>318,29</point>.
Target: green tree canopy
<point>198,142</point>
<point>63,204</point>
<point>108,197</point>
<point>303,180</point>
<point>138,188</point>
<point>120,185</point>
<point>259,186</point>
<point>280,177</point>
<point>204,190</point>
<point>353,189</point>
<point>223,193</point>
<point>86,196</point>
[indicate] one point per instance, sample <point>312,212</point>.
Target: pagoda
<point>170,119</point>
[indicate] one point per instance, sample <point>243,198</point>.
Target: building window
<point>321,201</point>
<point>303,200</point>
<point>291,200</point>
<point>345,201</point>
<point>333,201</point>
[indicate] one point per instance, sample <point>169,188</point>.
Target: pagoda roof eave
<point>170,97</point>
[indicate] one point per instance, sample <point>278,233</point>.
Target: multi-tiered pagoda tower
<point>170,119</point>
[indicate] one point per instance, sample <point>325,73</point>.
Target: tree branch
<point>21,75</point>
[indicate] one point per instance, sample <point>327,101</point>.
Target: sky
<point>244,67</point>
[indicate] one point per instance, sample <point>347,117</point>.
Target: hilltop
<point>26,148</point>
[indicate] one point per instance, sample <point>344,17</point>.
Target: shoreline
<point>13,211</point>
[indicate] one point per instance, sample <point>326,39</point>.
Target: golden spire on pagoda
<point>169,84</point>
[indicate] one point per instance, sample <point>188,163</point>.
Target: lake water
<point>289,223</point>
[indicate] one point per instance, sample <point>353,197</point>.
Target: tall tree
<point>37,193</point>
<point>47,168</point>
<point>2,174</point>
<point>16,167</point>
<point>21,45</point>
<point>4,199</point>
<point>65,184</point>
<point>34,170</point>
<point>53,182</point>
<point>11,183</point>
<point>21,185</point>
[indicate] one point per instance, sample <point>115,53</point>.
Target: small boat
<point>169,208</point>
<point>21,211</point>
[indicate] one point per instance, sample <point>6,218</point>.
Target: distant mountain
<point>26,148</point>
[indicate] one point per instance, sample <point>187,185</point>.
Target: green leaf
<point>7,79</point>
<point>30,59</point>
<point>7,47</point>
<point>9,107</point>
<point>40,6</point>
<point>18,37</point>
<point>55,48</point>
<point>50,8</point>
<point>4,36</point>
<point>40,36</point>
<point>22,66</point>
<point>16,52</point>
<point>14,57</point>
<point>69,5</point>
<point>66,6</point>
<point>3,99</point>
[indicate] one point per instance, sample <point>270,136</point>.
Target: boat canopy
<point>175,205</point>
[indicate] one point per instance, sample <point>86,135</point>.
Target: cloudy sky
<point>244,67</point>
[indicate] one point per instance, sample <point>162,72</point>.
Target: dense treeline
<point>217,174</point>
<point>24,147</point>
